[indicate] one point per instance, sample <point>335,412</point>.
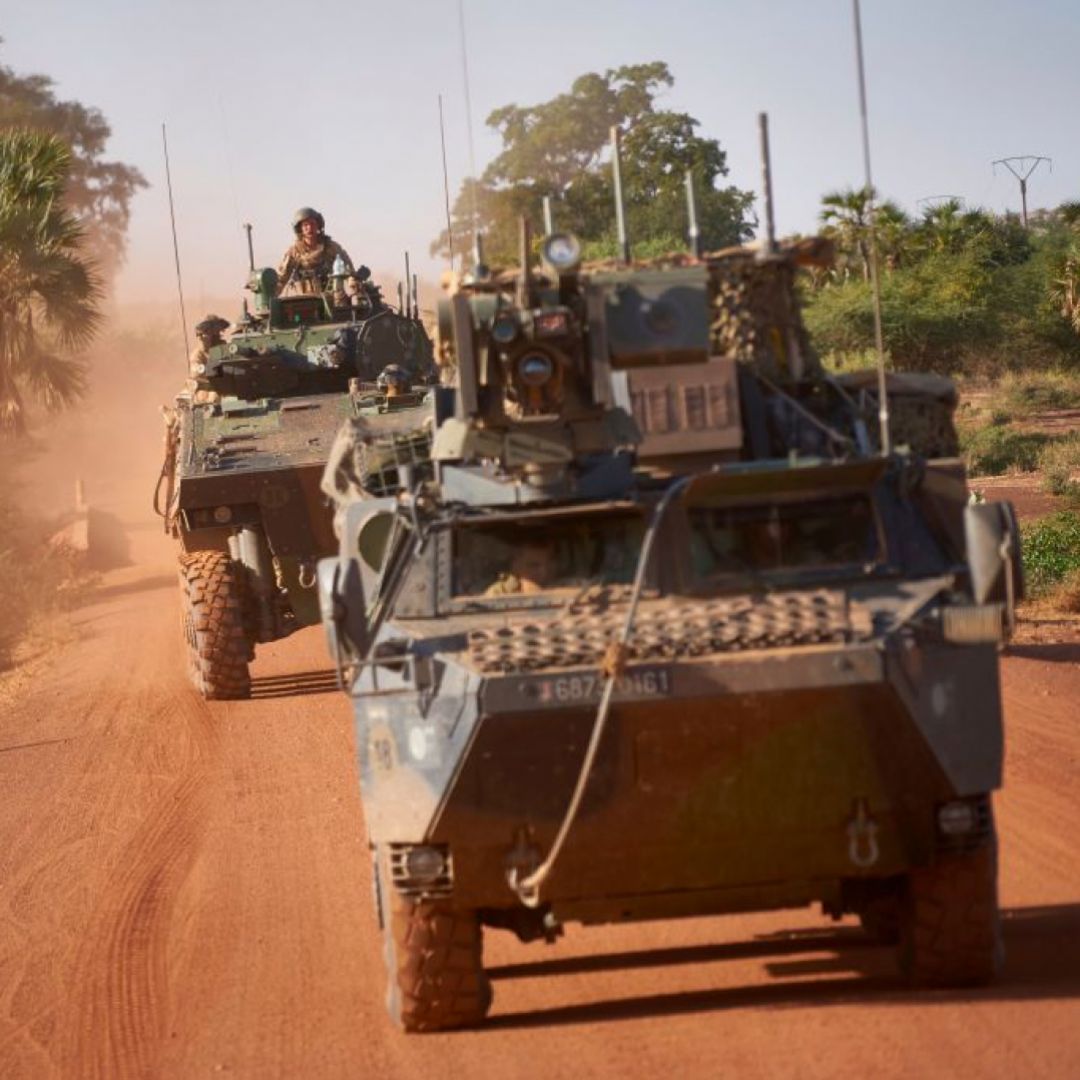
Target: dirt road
<point>184,892</point>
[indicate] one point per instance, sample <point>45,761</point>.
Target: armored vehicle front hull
<point>684,812</point>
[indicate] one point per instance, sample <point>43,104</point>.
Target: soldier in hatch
<point>307,265</point>
<point>208,332</point>
<point>393,381</point>
<point>532,569</point>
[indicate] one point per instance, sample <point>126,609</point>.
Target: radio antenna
<point>766,184</point>
<point>549,221</point>
<point>251,248</point>
<point>620,209</point>
<point>469,127</point>
<point>446,186</point>
<point>176,246</point>
<point>871,213</point>
<point>693,231</point>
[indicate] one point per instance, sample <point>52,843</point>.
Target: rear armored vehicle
<point>654,631</point>
<point>246,446</point>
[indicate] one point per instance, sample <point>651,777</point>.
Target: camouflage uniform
<point>211,326</point>
<point>310,267</point>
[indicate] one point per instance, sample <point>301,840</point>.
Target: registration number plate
<point>587,687</point>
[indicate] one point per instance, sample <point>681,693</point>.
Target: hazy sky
<point>274,105</point>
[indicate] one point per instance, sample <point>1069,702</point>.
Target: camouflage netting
<point>756,317</point>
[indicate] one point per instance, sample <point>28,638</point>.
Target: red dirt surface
<point>185,892</point>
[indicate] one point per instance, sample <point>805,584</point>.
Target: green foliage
<point>99,192</point>
<point>1059,464</point>
<point>49,293</point>
<point>1051,550</point>
<point>559,149</point>
<point>958,287</point>
<point>990,451</point>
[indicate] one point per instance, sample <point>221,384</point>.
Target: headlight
<point>561,251</point>
<point>505,328</point>
<point>424,864</point>
<point>535,369</point>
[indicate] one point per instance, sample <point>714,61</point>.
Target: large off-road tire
<point>434,965</point>
<point>950,925</point>
<point>212,622</point>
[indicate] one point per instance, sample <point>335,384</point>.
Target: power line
<point>1020,168</point>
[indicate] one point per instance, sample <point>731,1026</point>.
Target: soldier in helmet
<point>208,332</point>
<point>307,265</point>
<point>393,380</point>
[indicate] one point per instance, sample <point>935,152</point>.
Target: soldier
<point>307,265</point>
<point>208,332</point>
<point>532,569</point>
<point>393,381</point>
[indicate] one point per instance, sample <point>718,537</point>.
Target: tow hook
<point>522,859</point>
<point>862,832</point>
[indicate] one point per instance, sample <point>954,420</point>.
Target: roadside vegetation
<point>1051,549</point>
<point>63,219</point>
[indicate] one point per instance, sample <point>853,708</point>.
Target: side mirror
<point>992,538</point>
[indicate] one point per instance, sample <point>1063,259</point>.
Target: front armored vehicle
<point>246,446</point>
<point>657,633</point>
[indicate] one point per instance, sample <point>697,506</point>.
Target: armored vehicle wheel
<point>433,963</point>
<point>212,621</point>
<point>950,926</point>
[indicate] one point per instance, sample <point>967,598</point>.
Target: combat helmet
<point>393,379</point>
<point>210,324</point>
<point>303,214</point>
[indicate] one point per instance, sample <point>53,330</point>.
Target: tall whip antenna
<point>468,123</point>
<point>176,246</point>
<point>446,185</point>
<point>875,281</point>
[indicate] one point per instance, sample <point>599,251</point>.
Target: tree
<point>49,292</point>
<point>98,192</point>
<point>559,149</point>
<point>845,216</point>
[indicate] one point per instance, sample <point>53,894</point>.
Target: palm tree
<point>846,217</point>
<point>49,292</point>
<point>893,229</point>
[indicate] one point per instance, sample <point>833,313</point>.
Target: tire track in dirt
<point>123,971</point>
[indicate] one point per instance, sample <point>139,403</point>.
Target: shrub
<point>31,575</point>
<point>996,449</point>
<point>1037,391</point>
<point>1051,548</point>
<point>1059,464</point>
<point>1066,596</point>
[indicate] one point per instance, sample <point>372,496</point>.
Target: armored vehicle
<point>656,633</point>
<point>246,446</point>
